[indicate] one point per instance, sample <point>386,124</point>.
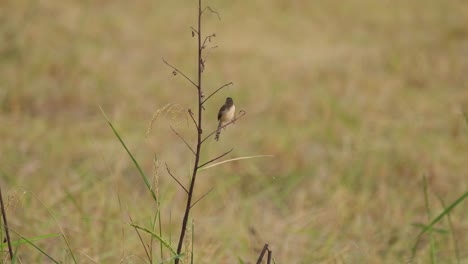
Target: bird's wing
<point>221,111</point>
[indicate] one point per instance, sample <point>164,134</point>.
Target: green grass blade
<point>437,219</point>
<point>438,230</point>
<point>153,227</point>
<point>162,240</point>
<point>160,233</point>
<point>67,243</point>
<point>430,229</point>
<point>145,179</point>
<point>465,115</point>
<point>193,241</point>
<point>23,241</point>
<point>69,248</point>
<point>14,259</point>
<point>170,232</point>
<point>38,248</point>
<point>452,231</point>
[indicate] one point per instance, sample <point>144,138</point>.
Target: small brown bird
<point>226,114</point>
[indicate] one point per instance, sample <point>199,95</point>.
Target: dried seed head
<point>175,113</point>
<point>156,176</point>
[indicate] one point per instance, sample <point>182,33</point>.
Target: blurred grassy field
<point>356,100</point>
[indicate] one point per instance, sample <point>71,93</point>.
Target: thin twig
<point>206,38</point>
<point>194,30</point>
<point>141,239</point>
<point>269,256</point>
<point>260,258</point>
<point>177,70</point>
<point>212,11</point>
<point>220,156</point>
<point>195,122</point>
<point>183,140</point>
<point>203,196</point>
<point>5,225</point>
<point>217,90</point>
<point>180,184</point>
<point>241,114</point>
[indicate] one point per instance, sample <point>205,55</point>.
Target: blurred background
<point>355,100</point>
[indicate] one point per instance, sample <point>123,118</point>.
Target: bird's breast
<point>229,114</point>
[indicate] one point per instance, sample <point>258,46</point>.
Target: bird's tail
<point>218,131</point>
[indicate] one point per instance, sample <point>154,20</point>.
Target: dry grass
<point>356,100</point>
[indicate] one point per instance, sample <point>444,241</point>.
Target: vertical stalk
<point>199,139</point>
<point>5,225</point>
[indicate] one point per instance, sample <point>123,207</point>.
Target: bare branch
<point>5,225</point>
<point>269,256</point>
<point>201,66</point>
<point>241,114</point>
<point>203,196</point>
<point>260,258</point>
<point>212,11</point>
<point>194,30</point>
<point>177,70</point>
<point>220,156</point>
<point>217,90</point>
<point>195,122</point>
<point>187,144</point>
<point>180,184</point>
<point>208,38</point>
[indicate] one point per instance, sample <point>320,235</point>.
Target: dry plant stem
<point>177,70</point>
<point>194,30</point>
<point>5,225</point>
<point>198,124</point>
<point>195,122</point>
<point>180,184</point>
<point>199,141</point>
<point>213,93</point>
<point>203,196</point>
<point>207,38</point>
<point>220,156</point>
<point>260,258</point>
<point>265,249</point>
<point>212,11</point>
<point>183,139</point>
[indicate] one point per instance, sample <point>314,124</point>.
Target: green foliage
<point>429,228</point>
